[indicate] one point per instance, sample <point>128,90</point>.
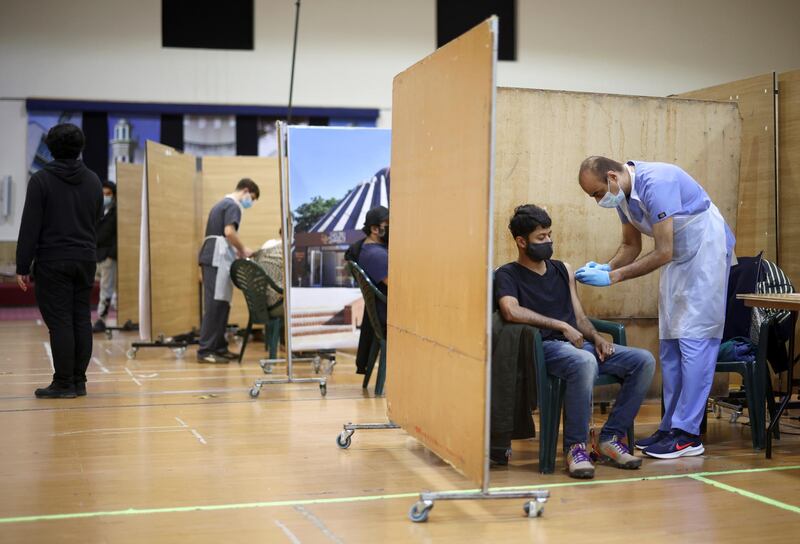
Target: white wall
<point>349,51</point>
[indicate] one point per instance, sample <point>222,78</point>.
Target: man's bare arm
<point>629,248</point>
<point>661,255</point>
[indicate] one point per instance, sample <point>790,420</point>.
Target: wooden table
<point>791,303</point>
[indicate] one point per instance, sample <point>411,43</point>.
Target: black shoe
<point>498,457</point>
<point>212,358</point>
<point>54,391</point>
<point>99,326</point>
<point>231,356</point>
<point>80,389</point>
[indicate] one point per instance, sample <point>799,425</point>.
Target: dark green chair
<point>551,395</point>
<point>371,294</point>
<point>264,302</point>
<point>755,378</point>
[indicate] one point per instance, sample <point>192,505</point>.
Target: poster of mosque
<point>39,123</point>
<point>127,135</point>
<point>335,176</point>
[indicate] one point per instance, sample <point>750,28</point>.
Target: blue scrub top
<point>666,190</point>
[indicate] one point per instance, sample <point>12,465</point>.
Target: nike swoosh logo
<point>679,447</point>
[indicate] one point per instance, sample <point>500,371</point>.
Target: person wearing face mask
<point>220,248</point>
<point>694,250</point>
<point>373,256</point>
<point>540,291</point>
<point>107,255</point>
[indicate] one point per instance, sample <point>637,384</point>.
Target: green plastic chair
<point>551,395</point>
<point>264,302</point>
<point>756,385</point>
<point>371,294</point>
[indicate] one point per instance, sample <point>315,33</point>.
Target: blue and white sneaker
<point>676,444</point>
<point>657,436</point>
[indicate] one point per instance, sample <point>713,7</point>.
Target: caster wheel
<point>254,392</point>
<point>179,352</point>
<point>323,389</point>
<point>131,353</point>
<point>109,334</point>
<point>267,369</point>
<point>317,365</point>
<point>717,411</point>
<point>533,509</point>
<point>419,511</point>
<point>343,440</point>
<point>735,417</point>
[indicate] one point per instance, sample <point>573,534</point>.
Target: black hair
<point>374,218</point>
<point>65,141</point>
<point>527,218</point>
<point>110,185</point>
<point>250,185</point>
<point>599,166</point>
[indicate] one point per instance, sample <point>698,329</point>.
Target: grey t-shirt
<point>225,212</point>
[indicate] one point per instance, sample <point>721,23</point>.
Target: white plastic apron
<point>691,297</point>
<point>223,257</point>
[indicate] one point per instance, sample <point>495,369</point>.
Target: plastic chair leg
<point>245,339</point>
<point>550,415</point>
<point>373,354</point>
<point>272,336</point>
<point>756,406</point>
<point>379,381</point>
<point>631,438</point>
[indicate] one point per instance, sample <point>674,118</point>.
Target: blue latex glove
<point>592,264</point>
<point>593,276</point>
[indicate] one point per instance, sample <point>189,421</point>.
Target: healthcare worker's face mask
<point>611,200</point>
<point>539,252</point>
<point>247,202</point>
<point>107,200</point>
<point>384,234</point>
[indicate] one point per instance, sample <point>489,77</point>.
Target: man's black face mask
<point>384,234</point>
<point>539,252</point>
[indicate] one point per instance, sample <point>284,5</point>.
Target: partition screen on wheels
<point>440,215</point>
<point>260,223</point>
<point>129,223</point>
<point>171,179</point>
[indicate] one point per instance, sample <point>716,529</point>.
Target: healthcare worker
<point>694,249</point>
<point>220,248</point>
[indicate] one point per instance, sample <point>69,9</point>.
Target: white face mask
<point>610,200</point>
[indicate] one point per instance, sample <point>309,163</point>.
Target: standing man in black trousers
<point>221,247</point>
<point>63,204</point>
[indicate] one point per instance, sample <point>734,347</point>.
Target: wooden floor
<point>166,450</point>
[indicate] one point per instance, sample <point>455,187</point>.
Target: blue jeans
<point>580,367</point>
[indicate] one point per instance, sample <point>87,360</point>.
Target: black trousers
<point>63,289</point>
<point>215,317</point>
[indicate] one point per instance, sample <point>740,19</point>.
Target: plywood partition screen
<point>129,217</point>
<point>174,282</point>
<point>789,174</point>
<point>756,222</point>
<point>442,116</point>
<point>542,137</point>
<point>260,223</point>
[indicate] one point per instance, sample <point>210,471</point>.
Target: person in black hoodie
<point>107,254</point>
<point>63,204</point>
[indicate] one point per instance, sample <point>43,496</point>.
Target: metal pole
<point>487,414</point>
<point>294,56</point>
<point>776,158</point>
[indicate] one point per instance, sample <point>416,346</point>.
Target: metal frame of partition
<point>288,235</point>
